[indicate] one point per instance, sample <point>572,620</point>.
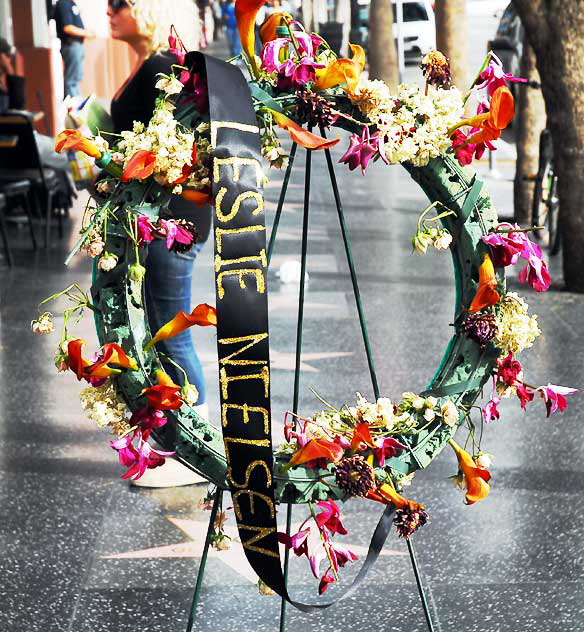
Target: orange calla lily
<point>317,449</point>
<point>342,70</point>
<point>493,122</point>
<point>165,394</point>
<point>72,139</point>
<point>268,28</point>
<point>100,369</point>
<point>486,294</point>
<point>362,435</point>
<point>386,494</point>
<point>303,137</point>
<point>140,166</point>
<point>199,198</point>
<point>245,15</point>
<point>76,361</point>
<point>203,315</point>
<point>475,478</point>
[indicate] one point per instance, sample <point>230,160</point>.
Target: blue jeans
<point>168,291</point>
<point>233,41</point>
<point>73,55</point>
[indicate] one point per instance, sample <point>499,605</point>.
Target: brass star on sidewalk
<point>234,557</point>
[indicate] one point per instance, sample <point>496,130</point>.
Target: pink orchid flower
<point>140,458</point>
<point>174,232</point>
<point>490,411</point>
<point>325,581</point>
<point>329,517</point>
<point>279,55</point>
<point>296,429</point>
<point>315,560</point>
<point>341,554</point>
<point>493,76</point>
<point>173,48</point>
<point>506,250</point>
<point>554,397</point>
<point>361,150</point>
<point>525,395</point>
<point>508,369</point>
<point>465,151</point>
<point>145,229</point>
<point>148,418</point>
<point>297,542</point>
<point>387,448</point>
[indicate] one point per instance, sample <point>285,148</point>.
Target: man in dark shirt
<point>71,32</point>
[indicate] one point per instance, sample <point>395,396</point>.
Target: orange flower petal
<point>164,395</point>
<point>76,361</point>
<point>303,137</point>
<point>72,139</point>
<point>268,28</point>
<point>386,494</point>
<point>475,478</point>
<point>203,315</point>
<point>245,14</point>
<point>140,166</point>
<point>199,198</point>
<point>502,107</point>
<point>342,70</point>
<point>486,294</point>
<point>318,449</point>
<point>361,435</point>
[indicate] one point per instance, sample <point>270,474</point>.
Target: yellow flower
<point>516,330</point>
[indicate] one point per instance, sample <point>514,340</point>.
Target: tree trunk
<point>556,31</point>
<point>451,38</point>
<point>530,121</point>
<point>383,63</point>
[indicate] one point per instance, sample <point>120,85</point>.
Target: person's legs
<point>73,55</point>
<point>168,291</point>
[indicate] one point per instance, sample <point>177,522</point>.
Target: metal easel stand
<point>299,330</point>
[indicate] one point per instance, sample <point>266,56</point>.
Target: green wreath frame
<point>120,318</point>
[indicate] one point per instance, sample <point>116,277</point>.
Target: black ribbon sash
<point>242,324</point>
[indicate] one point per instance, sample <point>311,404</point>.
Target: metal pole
<point>281,201</point>
<point>356,292</point>
<point>421,590</point>
<point>299,325</point>
<point>203,563</point>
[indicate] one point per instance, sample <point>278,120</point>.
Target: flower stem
<point>477,77</point>
<point>325,544</point>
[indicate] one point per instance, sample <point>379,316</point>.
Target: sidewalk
<point>84,552</point>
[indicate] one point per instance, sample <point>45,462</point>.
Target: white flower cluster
<point>516,330</point>
<point>413,126</point>
<point>164,136</point>
<point>380,413</point>
<point>429,408</point>
<point>105,407</point>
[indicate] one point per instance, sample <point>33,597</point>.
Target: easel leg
<point>369,354</point>
<point>203,563</point>
<point>281,201</point>
<point>299,325</point>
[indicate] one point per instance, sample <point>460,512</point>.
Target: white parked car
<point>418,27</point>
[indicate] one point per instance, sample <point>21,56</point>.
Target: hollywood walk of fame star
<point>234,557</point>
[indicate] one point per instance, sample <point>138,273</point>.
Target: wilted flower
<point>355,476</point>
<point>480,326</point>
<point>43,324</point>
<point>474,478</point>
<point>408,521</point>
<point>483,460</point>
<point>190,394</point>
<point>107,262</point>
<point>265,589</point>
<point>169,84</point>
<point>136,272</point>
<point>95,248</point>
<point>436,69</point>
<point>449,413</point>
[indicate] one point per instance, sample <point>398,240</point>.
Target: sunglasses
<point>118,5</point>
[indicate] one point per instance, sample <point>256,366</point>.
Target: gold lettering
<point>240,273</point>
<point>234,210</point>
<point>246,410</point>
<point>263,375</point>
<point>261,257</point>
<point>248,472</point>
<point>242,127</point>
<point>235,162</point>
<point>255,338</point>
<point>221,232</point>
<point>262,532</point>
<point>251,493</point>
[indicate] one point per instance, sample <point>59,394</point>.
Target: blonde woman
<point>145,26</point>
